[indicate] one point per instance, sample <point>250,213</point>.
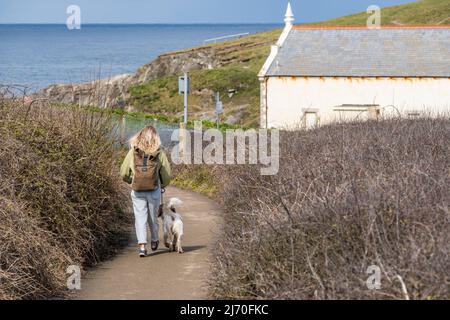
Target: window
<point>356,112</point>
<point>413,114</point>
<point>310,118</point>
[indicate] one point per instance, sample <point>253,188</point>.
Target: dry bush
<point>347,197</point>
<point>32,264</point>
<point>61,202</point>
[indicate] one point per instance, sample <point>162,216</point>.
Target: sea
<point>37,56</point>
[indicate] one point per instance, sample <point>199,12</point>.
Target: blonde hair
<point>146,140</point>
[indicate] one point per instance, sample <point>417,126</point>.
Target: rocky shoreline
<point>113,92</point>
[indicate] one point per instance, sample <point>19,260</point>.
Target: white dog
<point>173,226</point>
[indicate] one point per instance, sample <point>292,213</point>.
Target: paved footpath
<point>163,275</point>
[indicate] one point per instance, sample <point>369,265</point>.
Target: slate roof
<point>362,52</point>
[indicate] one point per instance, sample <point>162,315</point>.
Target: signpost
<point>184,87</point>
<point>219,108</point>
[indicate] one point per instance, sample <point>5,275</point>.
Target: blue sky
<point>181,11</point>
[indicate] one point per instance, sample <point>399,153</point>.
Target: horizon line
<point>142,23</point>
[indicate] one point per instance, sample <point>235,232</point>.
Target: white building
<point>317,75</point>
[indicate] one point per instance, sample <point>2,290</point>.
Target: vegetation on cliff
<point>161,95</point>
<point>424,12</point>
<point>232,65</point>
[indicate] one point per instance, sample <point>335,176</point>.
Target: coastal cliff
<point>120,92</point>
<point>114,92</point>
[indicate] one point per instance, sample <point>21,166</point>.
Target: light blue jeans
<point>146,205</point>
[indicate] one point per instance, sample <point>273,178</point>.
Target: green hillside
<point>241,61</point>
<point>425,12</point>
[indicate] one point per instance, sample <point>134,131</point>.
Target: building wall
<point>289,98</point>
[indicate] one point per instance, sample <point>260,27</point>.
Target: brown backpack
<point>146,176</point>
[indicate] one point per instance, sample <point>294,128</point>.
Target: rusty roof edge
<point>341,76</point>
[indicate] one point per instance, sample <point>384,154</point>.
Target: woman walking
<point>147,169</point>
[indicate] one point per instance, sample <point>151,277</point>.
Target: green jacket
<point>127,170</point>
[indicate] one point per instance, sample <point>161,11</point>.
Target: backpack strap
<point>145,156</point>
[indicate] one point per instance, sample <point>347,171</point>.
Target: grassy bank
<point>61,202</point>
<point>198,178</point>
<point>425,12</point>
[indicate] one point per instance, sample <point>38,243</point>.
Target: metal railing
<point>215,40</point>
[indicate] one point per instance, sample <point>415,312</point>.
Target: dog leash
<point>161,204</point>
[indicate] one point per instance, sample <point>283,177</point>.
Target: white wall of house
<point>293,101</point>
